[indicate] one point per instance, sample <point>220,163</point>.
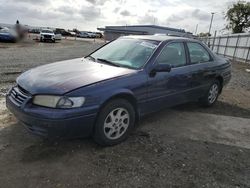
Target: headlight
<point>58,101</point>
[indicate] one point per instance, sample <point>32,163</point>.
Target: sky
<point>90,14</point>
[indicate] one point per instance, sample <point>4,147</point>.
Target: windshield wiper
<point>108,62</point>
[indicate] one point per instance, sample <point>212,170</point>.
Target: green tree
<point>238,17</point>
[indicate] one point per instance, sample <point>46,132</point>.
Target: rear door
<point>201,68</point>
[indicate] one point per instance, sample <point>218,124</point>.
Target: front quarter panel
<point>97,94</point>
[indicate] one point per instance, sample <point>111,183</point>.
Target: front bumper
<point>56,126</point>
<point>47,38</point>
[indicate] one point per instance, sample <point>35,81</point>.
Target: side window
<point>173,54</point>
<point>198,53</point>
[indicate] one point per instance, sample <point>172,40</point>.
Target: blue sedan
<point>7,35</point>
<point>104,94</point>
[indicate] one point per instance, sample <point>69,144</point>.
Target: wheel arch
<point>125,94</point>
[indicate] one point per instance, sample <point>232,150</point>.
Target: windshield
<point>47,31</point>
<point>131,53</point>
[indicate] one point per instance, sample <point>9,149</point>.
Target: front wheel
<point>114,123</point>
<point>212,94</point>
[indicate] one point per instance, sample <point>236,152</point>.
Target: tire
<point>110,131</point>
<point>211,95</point>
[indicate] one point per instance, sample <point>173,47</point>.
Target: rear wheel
<point>212,94</point>
<point>114,123</point>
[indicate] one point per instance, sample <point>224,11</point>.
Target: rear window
<point>198,54</point>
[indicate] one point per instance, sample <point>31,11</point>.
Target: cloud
<point>97,2</point>
<point>88,14</point>
<point>195,14</point>
<point>198,14</point>
<point>117,9</point>
<point>41,2</point>
<point>18,10</point>
<point>147,19</point>
<point>66,10</point>
<point>125,13</point>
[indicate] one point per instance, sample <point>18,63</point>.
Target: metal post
<point>211,22</point>
<point>214,40</point>
<point>196,29</point>
<point>247,55</point>
<point>226,45</point>
<point>248,51</point>
<point>236,46</point>
<point>218,46</point>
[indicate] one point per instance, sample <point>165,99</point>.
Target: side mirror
<point>160,68</point>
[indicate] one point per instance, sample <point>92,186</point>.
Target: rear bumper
<point>76,126</point>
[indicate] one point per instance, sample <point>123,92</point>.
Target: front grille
<point>18,95</point>
<point>47,36</point>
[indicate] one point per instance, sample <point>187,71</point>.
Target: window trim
<point>189,58</point>
<point>185,51</point>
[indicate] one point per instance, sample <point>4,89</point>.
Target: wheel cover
<point>213,93</point>
<point>116,123</point>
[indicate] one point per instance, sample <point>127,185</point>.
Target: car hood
<point>62,77</point>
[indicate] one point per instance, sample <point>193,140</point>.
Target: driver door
<point>170,88</point>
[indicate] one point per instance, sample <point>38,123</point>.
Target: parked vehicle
<point>105,93</point>
<point>83,35</point>
<point>72,34</point>
<point>8,35</point>
<point>98,35</point>
<point>63,32</point>
<point>47,35</point>
<point>58,37</point>
<point>91,35</point>
<point>35,31</point>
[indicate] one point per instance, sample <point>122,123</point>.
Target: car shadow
<point>219,108</point>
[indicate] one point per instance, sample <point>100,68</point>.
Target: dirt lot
<point>187,146</point>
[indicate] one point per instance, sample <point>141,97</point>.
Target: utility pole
<point>196,29</point>
<point>211,22</point>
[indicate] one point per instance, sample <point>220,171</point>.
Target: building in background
<point>113,32</point>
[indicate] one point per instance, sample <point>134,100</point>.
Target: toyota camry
<point>104,94</point>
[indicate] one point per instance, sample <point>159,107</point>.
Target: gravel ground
<point>191,146</point>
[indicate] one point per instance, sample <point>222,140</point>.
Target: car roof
<point>158,37</point>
